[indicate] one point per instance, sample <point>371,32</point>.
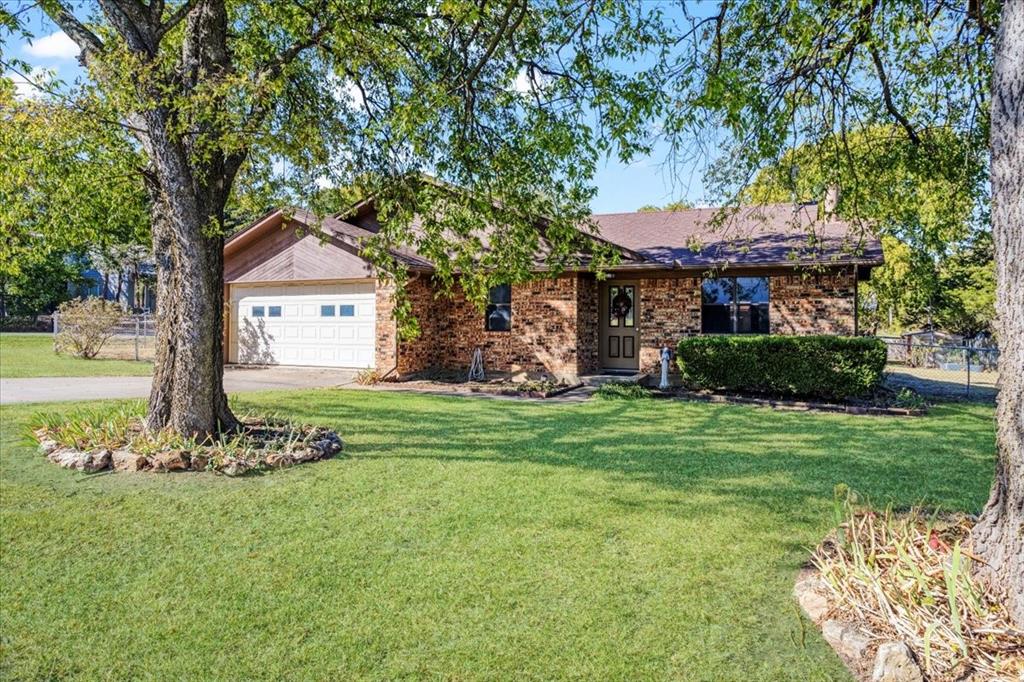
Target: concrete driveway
<point>236,380</point>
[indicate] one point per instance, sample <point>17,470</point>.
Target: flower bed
<point>96,442</point>
<point>894,596</point>
<point>452,382</point>
<point>902,405</point>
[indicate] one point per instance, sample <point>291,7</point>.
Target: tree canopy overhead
<point>514,100</point>
<point>756,79</point>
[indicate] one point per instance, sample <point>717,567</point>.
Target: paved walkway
<point>236,380</point>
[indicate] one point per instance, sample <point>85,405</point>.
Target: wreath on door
<point>621,304</point>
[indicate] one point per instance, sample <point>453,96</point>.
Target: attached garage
<point>295,297</point>
<point>326,325</point>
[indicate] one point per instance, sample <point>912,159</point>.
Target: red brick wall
<point>669,310</point>
<point>588,327</point>
<point>809,303</point>
<point>545,317</point>
<point>556,322</point>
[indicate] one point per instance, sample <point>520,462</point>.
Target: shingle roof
<point>773,234</point>
<point>700,238</point>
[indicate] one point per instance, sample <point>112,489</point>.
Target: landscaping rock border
<point>323,445</point>
<point>868,656</point>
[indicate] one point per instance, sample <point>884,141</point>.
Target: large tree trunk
<point>188,219</point>
<point>999,535</point>
<point>187,393</point>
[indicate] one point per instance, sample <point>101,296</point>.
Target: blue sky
<point>621,187</point>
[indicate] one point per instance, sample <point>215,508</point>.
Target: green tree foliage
<point>925,212</point>
<point>41,281</point>
<point>680,205</point>
<point>931,199</point>
<point>70,196</point>
<point>756,79</point>
<point>967,290</point>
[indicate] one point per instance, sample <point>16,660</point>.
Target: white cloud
<point>24,88</point>
<point>54,46</point>
<point>528,81</point>
<point>522,84</point>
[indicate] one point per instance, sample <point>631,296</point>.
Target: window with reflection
<point>498,317</point>
<point>734,305</point>
<point>621,308</point>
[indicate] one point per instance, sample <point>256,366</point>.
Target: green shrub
<point>622,390</point>
<point>831,367</point>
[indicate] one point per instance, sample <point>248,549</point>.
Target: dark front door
<point>620,337</point>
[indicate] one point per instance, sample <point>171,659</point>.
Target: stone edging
<point>868,656</point>
<point>101,459</point>
<point>805,405</point>
<point>533,394</point>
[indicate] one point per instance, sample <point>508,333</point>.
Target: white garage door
<point>328,325</point>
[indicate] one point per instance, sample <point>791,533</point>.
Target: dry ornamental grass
<point>908,578</point>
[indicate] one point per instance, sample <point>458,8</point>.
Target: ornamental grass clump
<point>907,577</point>
<point>77,441</point>
<point>623,390</point>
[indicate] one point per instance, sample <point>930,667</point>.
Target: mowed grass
<point>463,539</point>
<point>31,355</point>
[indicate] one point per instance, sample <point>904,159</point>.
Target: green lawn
<point>463,539</point>
<point>31,355</point>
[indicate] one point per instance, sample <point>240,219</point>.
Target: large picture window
<point>734,305</point>
<point>499,309</point>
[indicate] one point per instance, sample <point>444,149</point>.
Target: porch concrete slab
<point>236,380</point>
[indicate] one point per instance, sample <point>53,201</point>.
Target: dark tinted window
<point>257,311</point>
<point>498,317</point>
<point>347,310</point>
<point>327,311</point>
<point>735,305</point>
<point>274,311</point>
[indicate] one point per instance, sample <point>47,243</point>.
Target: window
<point>347,310</point>
<point>499,309</point>
<point>257,311</point>
<point>274,311</point>
<point>620,306</point>
<point>734,305</point>
<point>327,311</point>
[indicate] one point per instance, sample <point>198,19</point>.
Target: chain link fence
<point>134,338</point>
<point>945,371</point>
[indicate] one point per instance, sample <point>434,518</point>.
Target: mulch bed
<point>502,387</point>
<point>123,444</point>
<point>788,404</point>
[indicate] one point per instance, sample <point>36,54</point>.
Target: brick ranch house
<point>297,298</point>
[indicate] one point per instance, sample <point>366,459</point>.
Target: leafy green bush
<point>831,367</point>
<point>622,390</point>
<point>909,399</point>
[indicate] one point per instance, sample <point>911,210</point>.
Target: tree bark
<point>999,535</point>
<point>187,393</point>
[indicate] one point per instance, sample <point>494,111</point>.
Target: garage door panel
<point>325,325</point>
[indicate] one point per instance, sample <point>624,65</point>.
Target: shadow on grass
<point>756,458</point>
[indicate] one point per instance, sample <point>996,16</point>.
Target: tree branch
<point>86,40</point>
<point>887,98</point>
<point>175,18</point>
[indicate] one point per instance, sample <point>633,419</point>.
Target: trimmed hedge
<point>831,367</point>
